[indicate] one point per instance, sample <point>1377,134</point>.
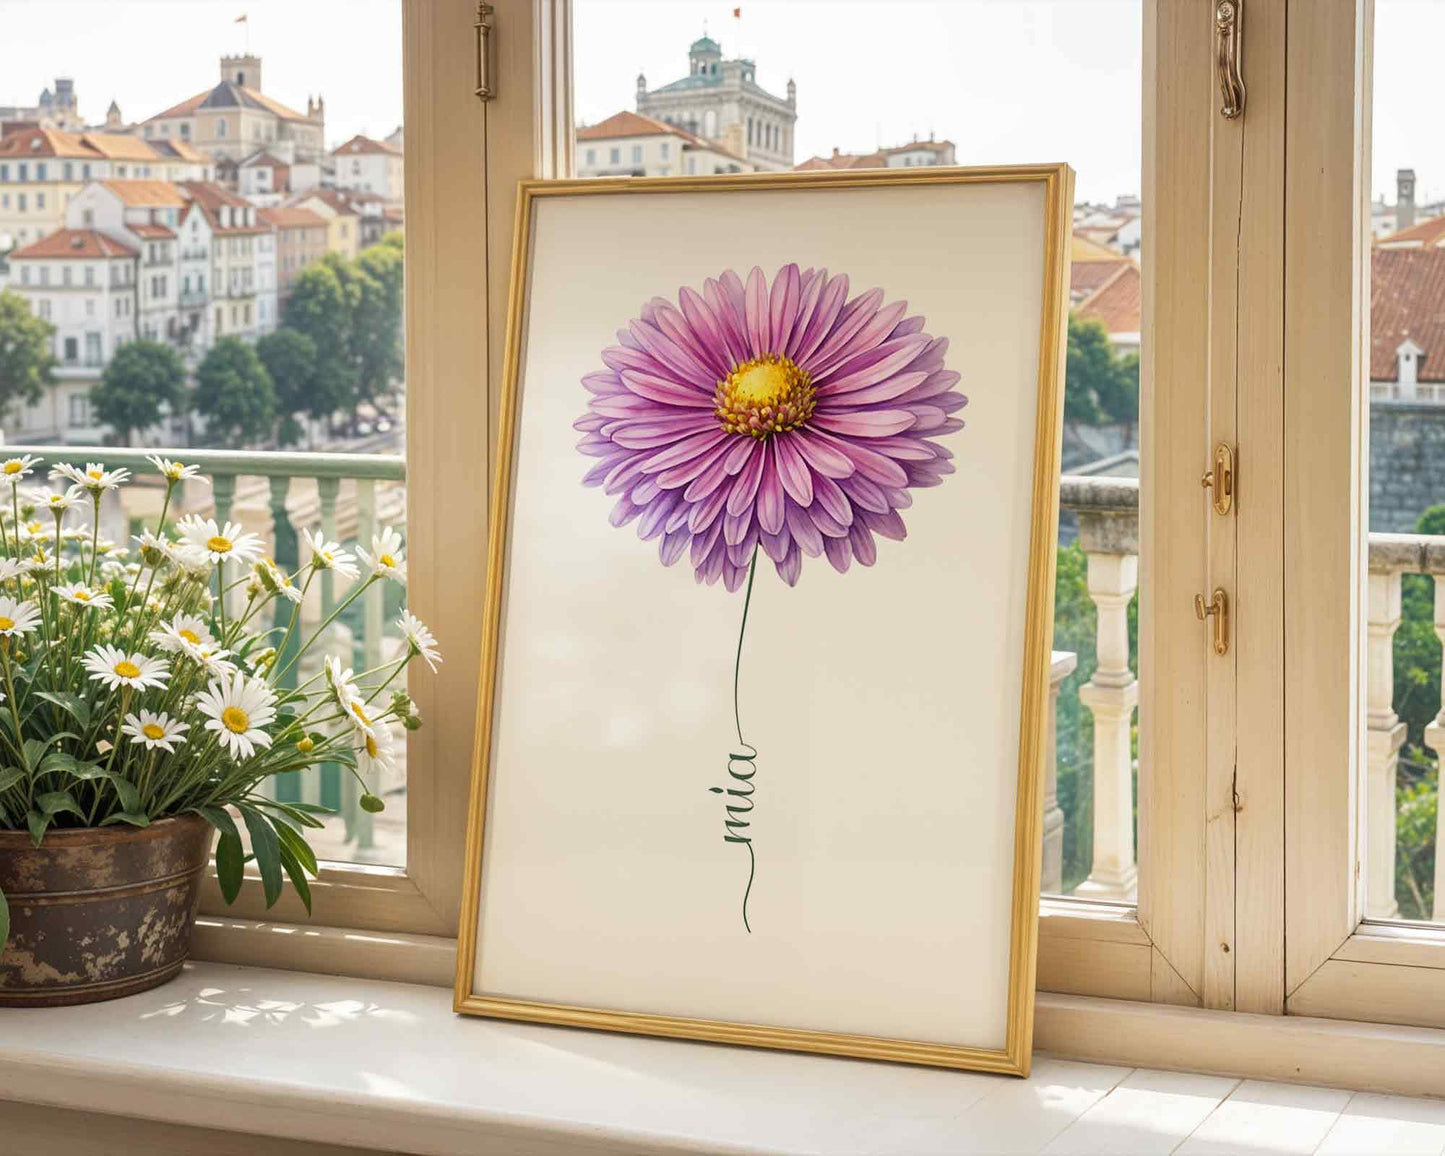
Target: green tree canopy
<point>290,358</point>
<point>143,382</point>
<point>235,394</point>
<point>320,308</point>
<point>377,321</point>
<point>27,357</point>
<point>1099,386</point>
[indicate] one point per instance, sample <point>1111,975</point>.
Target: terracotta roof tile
<point>1117,301</point>
<point>148,194</point>
<point>44,143</point>
<point>1421,236</point>
<point>363,145</point>
<point>77,243</point>
<point>290,218</point>
<point>1407,299</point>
<point>117,147</point>
<point>151,232</point>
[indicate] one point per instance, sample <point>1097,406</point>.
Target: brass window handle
<point>483,30</point>
<point>1221,479</point>
<point>1227,16</point>
<point>1218,609</point>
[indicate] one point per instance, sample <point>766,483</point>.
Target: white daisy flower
<point>385,559</point>
<point>421,640</point>
<point>155,729</point>
<point>14,469</point>
<point>18,617</point>
<point>215,543</point>
<point>154,548</point>
<point>236,710</point>
<point>115,668</point>
<point>215,661</point>
<point>95,477</point>
<point>276,580</point>
<point>329,555</point>
<point>185,633</point>
<point>361,718</point>
<point>83,595</point>
<point>40,555</point>
<point>343,690</point>
<point>14,568</point>
<point>55,503</point>
<point>35,528</point>
<point>375,752</point>
<point>175,471</point>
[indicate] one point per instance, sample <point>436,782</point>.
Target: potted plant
<point>140,719</point>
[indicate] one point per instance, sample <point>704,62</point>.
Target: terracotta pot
<point>99,913</point>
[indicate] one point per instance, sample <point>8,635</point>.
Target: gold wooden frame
<point>1015,1057</point>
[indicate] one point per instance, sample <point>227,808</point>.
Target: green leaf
<point>125,790</point>
<point>372,804</point>
<point>5,921</point>
<point>72,704</point>
<point>267,849</point>
<point>9,777</point>
<point>290,812</point>
<point>220,819</point>
<point>54,803</point>
<point>135,820</point>
<point>37,824</point>
<point>291,840</point>
<point>298,876</point>
<point>34,751</point>
<point>230,864</point>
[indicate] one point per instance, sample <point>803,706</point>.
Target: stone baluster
<point>285,552</point>
<point>1063,664</point>
<point>358,820</point>
<point>1385,733</point>
<point>1109,534</point>
<point>1435,732</point>
<point>329,774</point>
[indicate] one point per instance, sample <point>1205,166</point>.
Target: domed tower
<point>641,90</point>
<point>705,56</point>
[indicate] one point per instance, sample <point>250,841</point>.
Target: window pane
<point>1404,719</point>
<point>234,207</point>
<point>793,85</point>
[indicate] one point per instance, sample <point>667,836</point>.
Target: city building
<point>234,119</point>
<point>41,170</point>
<point>628,144</point>
<point>58,109</point>
<point>375,216</point>
<point>370,166</point>
<point>226,225</point>
<point>343,230</point>
<point>915,152</point>
<point>300,241</point>
<point>1107,287</point>
<point>721,101</point>
<point>83,282</point>
<point>1407,319</point>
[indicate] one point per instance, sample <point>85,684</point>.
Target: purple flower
<point>782,416</point>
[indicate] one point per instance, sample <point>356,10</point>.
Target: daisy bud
<point>371,804</point>
<point>411,722</point>
<point>306,746</point>
<point>264,659</point>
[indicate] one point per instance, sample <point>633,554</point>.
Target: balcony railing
<point>1107,511</point>
<point>349,496</point>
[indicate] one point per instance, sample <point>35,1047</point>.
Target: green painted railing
<point>328,470</point>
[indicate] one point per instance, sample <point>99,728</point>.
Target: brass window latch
<point>1218,609</point>
<point>1227,32</point>
<point>483,30</point>
<point>1221,479</point>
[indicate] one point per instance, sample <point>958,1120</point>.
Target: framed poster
<point>763,686</point>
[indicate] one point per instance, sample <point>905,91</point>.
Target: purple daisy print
<point>784,418</point>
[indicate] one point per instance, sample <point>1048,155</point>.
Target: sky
<point>1005,80</point>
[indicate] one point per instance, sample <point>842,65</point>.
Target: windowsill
<point>388,1066</point>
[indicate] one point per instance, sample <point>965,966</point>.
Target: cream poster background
<point>884,702</point>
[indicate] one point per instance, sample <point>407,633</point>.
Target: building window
<point>45,274</point>
<point>69,171</point>
<point>4,172</point>
<point>80,407</point>
<point>220,128</point>
<point>72,350</point>
<point>44,310</point>
<point>85,172</point>
<point>40,168</point>
<point>90,306</point>
<point>615,156</point>
<point>20,202</point>
<point>25,274</point>
<point>637,154</point>
<point>592,156</point>
<point>664,150</point>
<point>65,275</point>
<point>39,201</point>
<point>24,171</point>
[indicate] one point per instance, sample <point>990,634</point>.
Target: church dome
<point>705,45</point>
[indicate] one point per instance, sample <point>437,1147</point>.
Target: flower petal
<point>770,495</point>
<point>822,457</point>
<point>745,489</point>
<point>864,423</point>
<point>804,532</point>
<point>791,566</point>
<point>783,307</point>
<point>839,553</point>
<point>797,479</point>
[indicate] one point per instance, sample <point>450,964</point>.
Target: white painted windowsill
<point>387,1066</point>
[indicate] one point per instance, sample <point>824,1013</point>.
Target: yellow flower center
<point>6,623</point>
<point>388,560</point>
<point>190,636</point>
<point>175,470</point>
<point>151,731</point>
<point>81,596</point>
<point>34,527</point>
<point>94,475</point>
<point>13,467</point>
<point>219,544</point>
<point>766,395</point>
<point>371,746</point>
<point>326,557</point>
<point>359,713</point>
<point>236,720</point>
<point>127,669</point>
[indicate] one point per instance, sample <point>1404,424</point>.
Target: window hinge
<point>483,30</point>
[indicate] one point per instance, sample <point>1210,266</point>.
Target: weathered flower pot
<point>99,913</point>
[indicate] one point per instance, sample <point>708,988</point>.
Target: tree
<point>235,394</point>
<point>144,381</point>
<point>377,321</point>
<point>1099,385</point>
<point>290,358</point>
<point>319,308</point>
<point>27,358</point>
